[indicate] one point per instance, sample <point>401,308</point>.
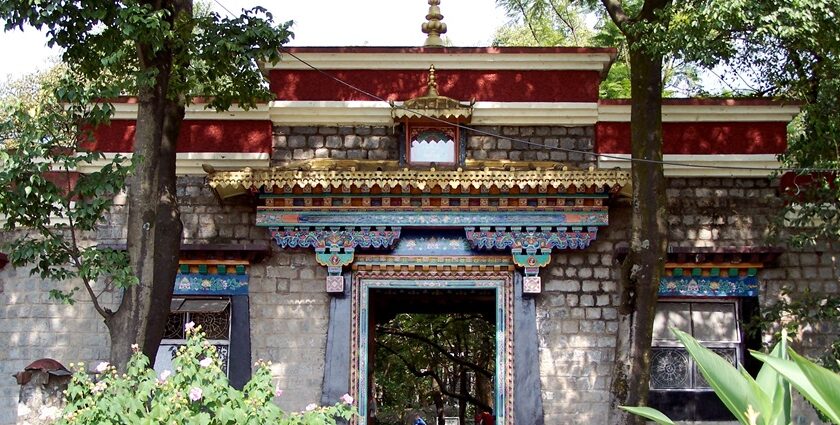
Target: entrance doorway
<point>448,339</point>
<point>432,352</point>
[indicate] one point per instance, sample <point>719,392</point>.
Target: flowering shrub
<point>196,392</point>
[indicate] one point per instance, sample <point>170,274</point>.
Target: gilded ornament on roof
<point>433,105</point>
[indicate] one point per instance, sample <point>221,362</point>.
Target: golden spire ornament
<point>433,26</point>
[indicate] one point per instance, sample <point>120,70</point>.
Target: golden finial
<point>433,25</point>
<point>432,82</point>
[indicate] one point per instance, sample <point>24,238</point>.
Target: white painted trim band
<point>190,163</point>
<point>707,113</point>
<point>335,113</point>
<point>472,61</point>
<point>681,165</point>
<point>128,111</point>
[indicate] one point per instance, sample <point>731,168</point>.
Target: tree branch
<point>431,374</point>
<point>565,21</point>
<point>617,14</point>
<point>438,348</point>
<point>75,254</point>
<point>527,20</point>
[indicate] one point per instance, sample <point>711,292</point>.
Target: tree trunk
<point>154,223</point>
<point>645,262</point>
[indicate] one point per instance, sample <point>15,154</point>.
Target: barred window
<point>214,317</point>
<point>713,323</point>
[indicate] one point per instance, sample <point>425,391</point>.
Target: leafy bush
<point>196,392</point>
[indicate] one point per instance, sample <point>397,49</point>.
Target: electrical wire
<point>528,142</point>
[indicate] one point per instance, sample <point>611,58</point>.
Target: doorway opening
<point>432,353</point>
<point>437,348</point>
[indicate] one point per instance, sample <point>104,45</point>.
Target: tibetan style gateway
<point>403,180</point>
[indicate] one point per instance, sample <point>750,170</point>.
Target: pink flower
<point>135,347</point>
<point>346,399</point>
<point>102,367</point>
<point>277,391</point>
<point>196,393</point>
<point>165,374</point>
<point>99,387</point>
<point>205,362</point>
<point>189,326</point>
<point>311,406</point>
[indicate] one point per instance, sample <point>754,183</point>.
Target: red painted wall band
<point>247,136</point>
<point>700,137</point>
<point>399,85</point>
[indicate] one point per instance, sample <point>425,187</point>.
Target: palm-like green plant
<point>764,400</point>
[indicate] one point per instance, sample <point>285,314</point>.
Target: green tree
<point>584,23</point>
<point>435,359</point>
<point>166,56</point>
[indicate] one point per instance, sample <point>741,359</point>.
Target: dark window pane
<point>727,353</point>
<point>174,326</point>
<point>669,368</point>
<point>214,325</point>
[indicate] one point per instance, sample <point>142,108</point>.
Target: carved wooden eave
<point>337,207</point>
<point>483,176</point>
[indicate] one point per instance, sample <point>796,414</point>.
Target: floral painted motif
<point>707,286</point>
<point>210,284</point>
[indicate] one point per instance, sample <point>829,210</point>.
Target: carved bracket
<point>531,246</point>
<point>335,247</point>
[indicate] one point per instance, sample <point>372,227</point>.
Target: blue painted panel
<point>210,284</point>
<point>709,286</point>
<point>280,218</point>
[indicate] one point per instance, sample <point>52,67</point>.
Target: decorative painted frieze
<point>531,246</point>
<point>532,238</point>
<point>709,286</point>
<point>335,247</point>
<point>210,284</point>
<point>420,218</point>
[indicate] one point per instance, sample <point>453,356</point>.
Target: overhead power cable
<point>543,146</point>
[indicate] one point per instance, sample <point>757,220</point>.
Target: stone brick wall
<point>289,319</point>
<point>360,142</point>
<point>381,143</point>
<point>710,212</point>
<point>481,146</point>
<point>32,327</point>
<point>576,314</point>
<point>576,325</point>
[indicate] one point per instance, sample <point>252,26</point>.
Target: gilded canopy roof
<point>432,105</point>
<point>476,175</point>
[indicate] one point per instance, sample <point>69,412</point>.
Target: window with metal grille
<point>214,317</point>
<point>712,323</point>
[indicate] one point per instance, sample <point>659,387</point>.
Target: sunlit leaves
<point>43,197</point>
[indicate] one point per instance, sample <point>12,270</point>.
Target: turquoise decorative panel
<point>281,218</point>
<point>708,286</point>
<point>211,284</point>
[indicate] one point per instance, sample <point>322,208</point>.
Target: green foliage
<point>215,57</point>
<point>44,132</point>
<point>817,384</point>
<point>196,392</point>
<point>649,413</point>
<point>796,310</point>
<point>764,400</point>
<point>421,357</point>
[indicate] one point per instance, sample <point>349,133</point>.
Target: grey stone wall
<point>32,326</point>
<point>576,325</point>
<point>289,318</point>
<point>360,142</point>
<point>381,143</point>
<point>710,212</point>
<point>576,314</point>
<point>542,145</point>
